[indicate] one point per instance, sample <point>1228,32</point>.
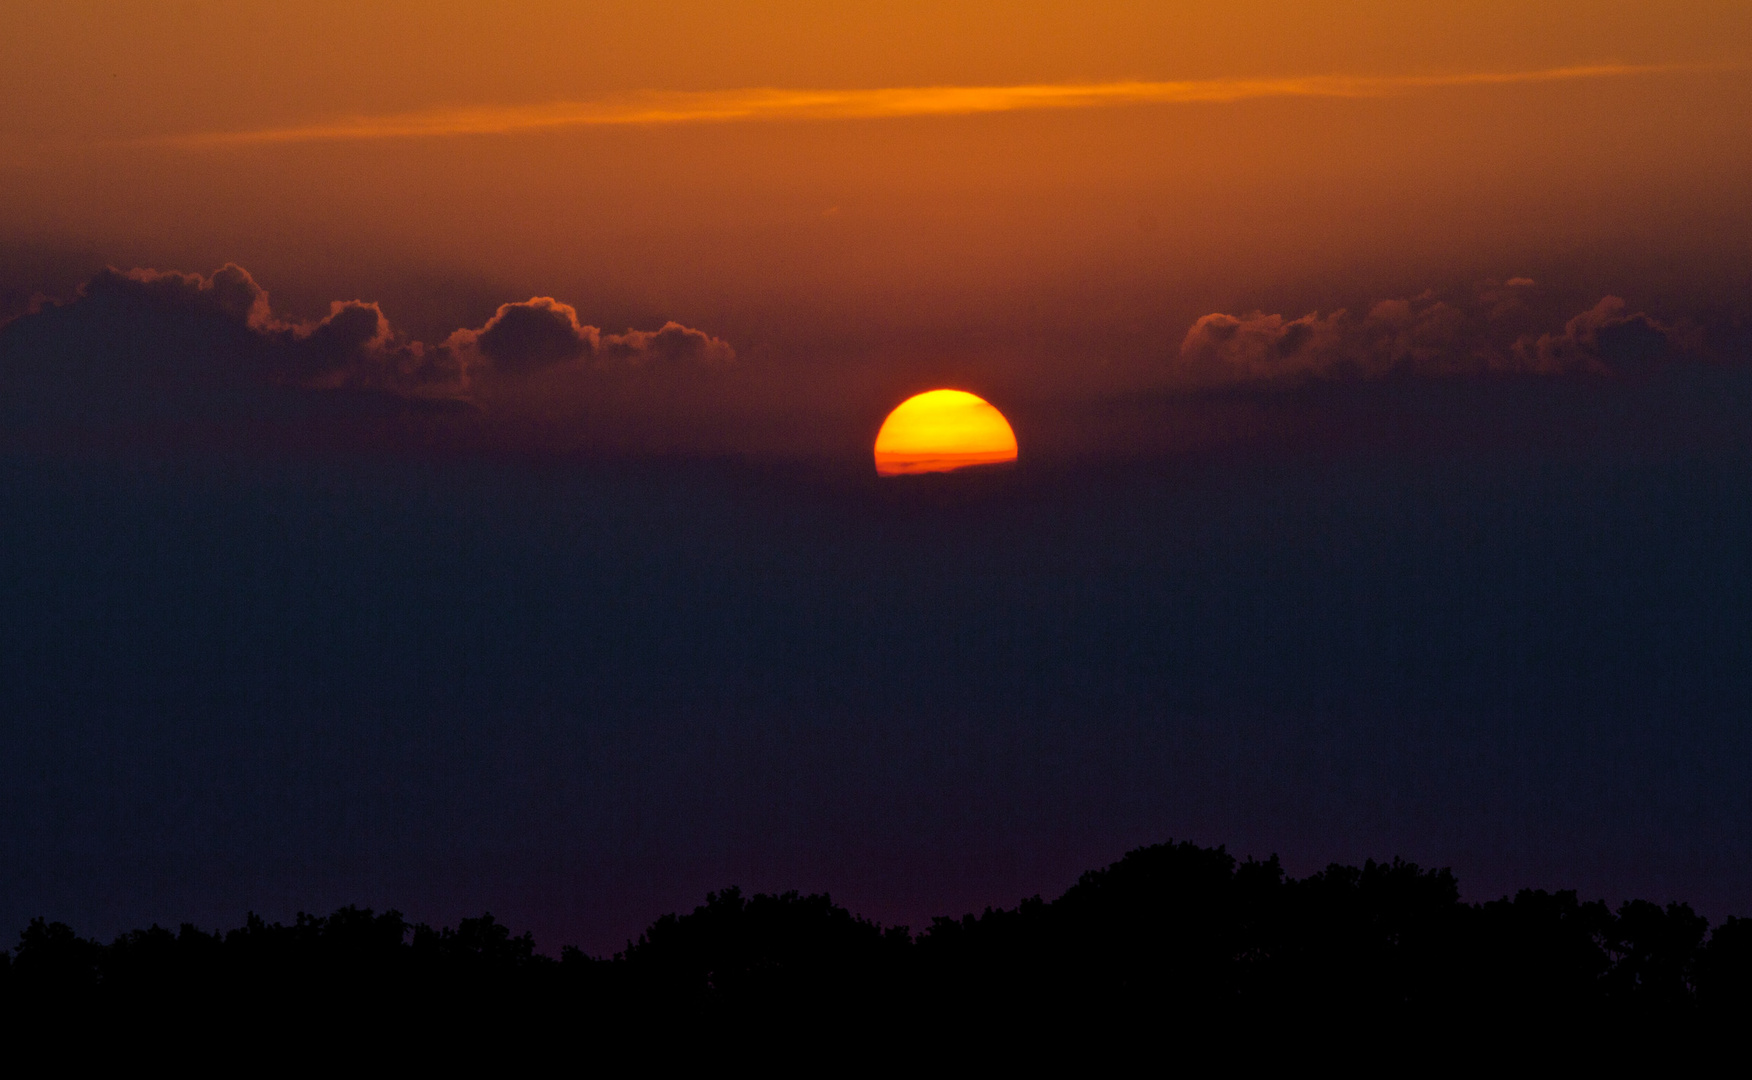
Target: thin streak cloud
<point>729,106</point>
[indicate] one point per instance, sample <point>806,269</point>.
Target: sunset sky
<point>1188,159</point>
<point>1354,337</point>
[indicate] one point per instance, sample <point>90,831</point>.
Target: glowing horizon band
<point>731,106</point>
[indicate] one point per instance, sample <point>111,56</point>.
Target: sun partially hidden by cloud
<point>941,430</point>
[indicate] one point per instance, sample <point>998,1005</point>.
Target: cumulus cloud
<point>673,345</point>
<point>354,347</point>
<point>1508,299</point>
<point>542,333</point>
<point>1260,346</point>
<point>1424,335</point>
<point>1603,338</point>
<point>531,335</point>
<point>155,343</point>
<point>229,292</point>
<point>222,328</point>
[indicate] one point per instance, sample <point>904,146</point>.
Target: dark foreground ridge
<point>1173,934</point>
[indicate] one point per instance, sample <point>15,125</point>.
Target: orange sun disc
<point>941,430</point>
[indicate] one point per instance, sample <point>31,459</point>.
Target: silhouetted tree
<point>1540,956</point>
<point>1724,970</point>
<point>803,951</point>
<point>1655,953</point>
<point>51,960</point>
<point>1386,936</point>
<point>1174,943</point>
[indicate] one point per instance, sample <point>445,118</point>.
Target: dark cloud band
<point>1481,334</point>
<point>147,343</point>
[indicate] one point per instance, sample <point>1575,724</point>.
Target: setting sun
<point>941,430</point>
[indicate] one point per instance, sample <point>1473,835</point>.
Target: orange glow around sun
<point>941,430</point>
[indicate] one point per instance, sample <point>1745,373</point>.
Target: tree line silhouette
<point>1170,931</point>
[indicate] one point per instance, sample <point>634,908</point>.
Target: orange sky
<point>844,245</point>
